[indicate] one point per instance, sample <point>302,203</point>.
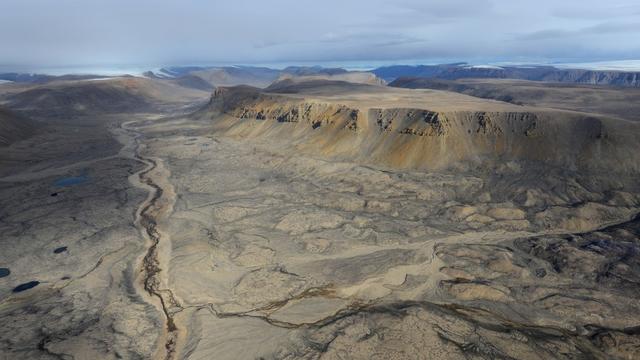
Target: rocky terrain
<point>320,218</point>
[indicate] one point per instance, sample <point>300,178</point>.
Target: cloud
<point>450,9</point>
<point>612,28</point>
<point>596,11</point>
<point>545,34</point>
<point>594,30</point>
<point>62,32</point>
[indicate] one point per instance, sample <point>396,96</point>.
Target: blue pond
<point>4,272</point>
<point>69,181</point>
<point>26,286</point>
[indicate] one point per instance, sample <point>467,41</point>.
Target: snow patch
<point>484,67</point>
<point>619,65</point>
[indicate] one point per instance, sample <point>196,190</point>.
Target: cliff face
<point>422,138</point>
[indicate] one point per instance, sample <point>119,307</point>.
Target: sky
<point>63,33</point>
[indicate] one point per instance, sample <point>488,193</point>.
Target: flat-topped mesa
<point>413,137</point>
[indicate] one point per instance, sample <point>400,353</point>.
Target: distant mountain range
<point>533,73</point>
<point>238,75</point>
<point>43,78</point>
<point>207,78</point>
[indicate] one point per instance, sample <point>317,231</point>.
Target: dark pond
<point>4,272</point>
<point>26,286</point>
<point>59,250</point>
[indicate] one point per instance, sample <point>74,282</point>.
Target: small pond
<point>72,180</point>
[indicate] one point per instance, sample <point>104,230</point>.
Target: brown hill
<point>127,94</point>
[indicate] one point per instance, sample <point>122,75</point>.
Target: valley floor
<point>181,243</point>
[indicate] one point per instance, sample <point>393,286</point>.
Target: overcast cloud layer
<point>102,32</point>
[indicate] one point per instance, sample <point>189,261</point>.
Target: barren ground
<point>155,236</point>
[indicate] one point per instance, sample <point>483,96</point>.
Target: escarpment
<point>418,136</point>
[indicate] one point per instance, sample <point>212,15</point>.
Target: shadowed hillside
<point>14,127</point>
